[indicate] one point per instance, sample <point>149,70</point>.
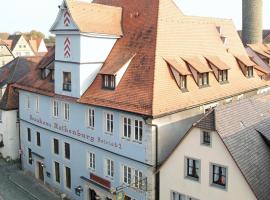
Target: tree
<point>33,35</point>
<point>50,40</point>
<point>4,35</point>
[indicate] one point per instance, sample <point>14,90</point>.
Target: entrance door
<point>92,194</point>
<point>40,171</point>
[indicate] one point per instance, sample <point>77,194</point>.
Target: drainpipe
<point>156,157</point>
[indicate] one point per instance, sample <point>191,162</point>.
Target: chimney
<point>252,21</point>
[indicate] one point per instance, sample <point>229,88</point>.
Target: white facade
<point>9,132</point>
<point>173,173</point>
<point>22,48</point>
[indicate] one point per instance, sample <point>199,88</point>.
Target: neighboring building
<point>38,46</point>
<point>99,115</point>
<point>19,46</point>
<point>260,54</point>
<point>5,54</point>
<point>266,36</point>
<point>225,155</point>
<point>9,123</point>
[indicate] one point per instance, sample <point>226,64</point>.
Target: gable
<point>64,20</point>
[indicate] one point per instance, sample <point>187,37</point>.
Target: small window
<point>109,123</point>
<point>110,168</point>
<point>55,108</point>
<point>223,75</point>
<point>138,130</point>
<point>92,161</point>
<point>56,146</point>
<point>206,138</point>
<point>183,82</point>
<point>38,139</point>
<point>138,178</point>
<point>27,102</point>
<point>1,116</point>
<point>43,73</point>
<point>67,150</point>
<point>37,104</point>
<point>127,174</point>
<point>250,71</point>
<point>30,159</point>
<point>57,172</point>
<point>91,118</point>
<point>177,196</point>
<point>219,176</point>
<point>68,177</point>
<point>127,128</point>
<point>66,111</point>
<point>67,81</point>
<point>29,134</point>
<point>192,169</point>
<point>1,140</point>
<point>203,79</point>
<point>109,81</point>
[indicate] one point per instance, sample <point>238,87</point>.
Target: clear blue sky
<point>25,15</point>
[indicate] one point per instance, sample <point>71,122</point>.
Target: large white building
<point>99,114</point>
<point>225,155</point>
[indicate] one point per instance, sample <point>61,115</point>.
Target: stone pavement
<point>16,185</point>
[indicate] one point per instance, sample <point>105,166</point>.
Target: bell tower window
<point>67,81</point>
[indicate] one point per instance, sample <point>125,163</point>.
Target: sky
<point>27,15</point>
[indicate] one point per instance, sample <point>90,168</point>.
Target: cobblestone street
<point>15,185</point>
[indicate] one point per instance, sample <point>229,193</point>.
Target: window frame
<point>249,71</point>
<point>91,161</point>
<point>66,155</point>
<point>58,146</point>
<point>138,130</point>
<point>67,184</point>
<point>127,127</point>
<point>109,123</point>
<point>37,104</point>
<point>127,176</point>
<point>212,182</point>
<point>66,111</point>
<point>109,168</point>
<point>138,180</point>
<point>108,81</point>
<point>38,139</point>
<point>203,131</point>
<point>183,82</point>
<point>197,168</point>
<point>29,135</point>
<point>223,76</point>
<point>202,77</point>
<point>55,108</point>
<point>55,174</point>
<point>90,117</point>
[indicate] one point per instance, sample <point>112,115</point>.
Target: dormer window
<point>43,73</point>
<point>249,71</point>
<point>183,82</point>
<point>109,82</point>
<point>67,81</point>
<point>203,79</point>
<point>223,75</point>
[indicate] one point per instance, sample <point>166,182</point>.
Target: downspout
<point>156,157</point>
<point>19,127</point>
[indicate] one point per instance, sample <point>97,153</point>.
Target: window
<point>66,111</point>
<point>206,138</point>
<point>109,123</point>
<point>1,140</point>
<point>183,82</point>
<point>27,102</point>
<point>177,196</point>
<point>138,179</point>
<point>127,128</point>
<point>91,117</point>
<point>57,172</point>
<point>55,108</point>
<point>37,103</point>
<point>56,146</point>
<point>138,130</point>
<point>1,113</point>
<point>109,81</point>
<point>110,168</point>
<point>67,150</point>
<point>219,176</point>
<point>67,81</point>
<point>223,75</point>
<point>38,139</point>
<point>192,168</point>
<point>92,161</point>
<point>29,134</point>
<point>30,159</point>
<point>203,79</point>
<point>68,177</point>
<point>250,71</point>
<point>127,175</point>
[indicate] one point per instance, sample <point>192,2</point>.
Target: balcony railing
<point>67,87</point>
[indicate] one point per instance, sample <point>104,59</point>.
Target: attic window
<point>183,82</point>
<point>203,79</point>
<point>223,76</point>
<point>108,81</point>
<point>249,72</point>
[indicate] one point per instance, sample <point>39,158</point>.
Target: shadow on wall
<point>171,134</point>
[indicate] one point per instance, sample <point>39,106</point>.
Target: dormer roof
<point>96,18</point>
<point>217,62</point>
<point>197,64</point>
<point>179,65</point>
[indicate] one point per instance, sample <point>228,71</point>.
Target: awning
<point>195,63</point>
<point>217,62</point>
<point>178,66</point>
